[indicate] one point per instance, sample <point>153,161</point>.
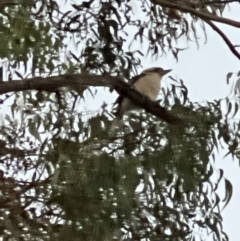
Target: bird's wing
<point>130,82</point>
<point>135,78</point>
<point>118,103</point>
<point>120,98</point>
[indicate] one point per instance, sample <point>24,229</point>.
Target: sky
<point>203,71</point>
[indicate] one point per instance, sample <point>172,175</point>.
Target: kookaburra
<point>147,83</point>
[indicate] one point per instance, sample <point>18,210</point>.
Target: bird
<point>147,83</point>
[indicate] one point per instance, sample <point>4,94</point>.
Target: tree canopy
<point>62,176</point>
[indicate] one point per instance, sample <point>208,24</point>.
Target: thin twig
<point>224,37</point>
<point>200,14</point>
<point>219,2</point>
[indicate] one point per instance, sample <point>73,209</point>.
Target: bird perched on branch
<point>147,83</point>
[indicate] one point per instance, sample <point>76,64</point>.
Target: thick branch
<point>200,14</point>
<point>217,1</point>
<point>224,37</point>
<point>53,83</point>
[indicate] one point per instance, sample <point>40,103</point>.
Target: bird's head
<point>160,71</point>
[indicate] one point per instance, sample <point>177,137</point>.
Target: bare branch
<point>51,84</point>
<point>54,82</point>
<point>200,14</point>
<point>224,37</point>
<point>220,2</point>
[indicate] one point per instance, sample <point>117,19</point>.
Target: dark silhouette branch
<point>220,2</point>
<point>55,82</point>
<point>51,84</point>
<point>200,14</point>
<point>224,37</point>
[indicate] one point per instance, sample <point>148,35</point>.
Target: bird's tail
<point>114,125</point>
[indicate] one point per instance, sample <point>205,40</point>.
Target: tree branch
<point>202,15</point>
<point>224,37</point>
<point>220,2</point>
<point>53,83</point>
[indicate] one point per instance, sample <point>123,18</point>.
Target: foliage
<point>62,176</point>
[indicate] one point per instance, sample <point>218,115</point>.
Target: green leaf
<point>229,75</point>
<point>33,130</point>
<point>229,108</point>
<point>229,192</point>
<point>236,108</point>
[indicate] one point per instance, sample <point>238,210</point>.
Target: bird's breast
<point>150,86</point>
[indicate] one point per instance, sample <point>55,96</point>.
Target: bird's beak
<point>166,71</point>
